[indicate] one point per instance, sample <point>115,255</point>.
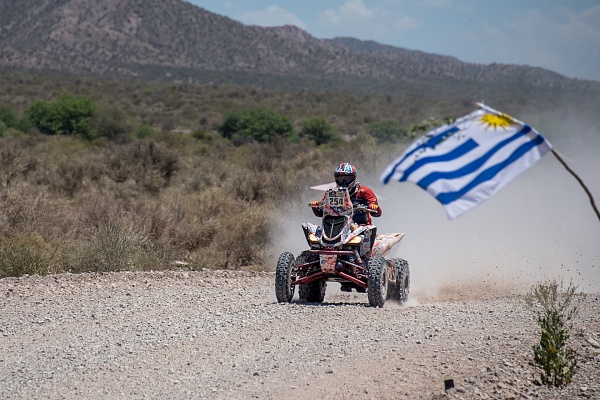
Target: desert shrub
<point>422,127</point>
<point>29,211</point>
<point>556,308</point>
<point>143,131</point>
<point>200,134</point>
<point>148,163</point>
<point>66,115</point>
<point>216,212</point>
<point>205,136</point>
<point>195,220</point>
<point>66,165</point>
<point>258,124</point>
<point>388,130</point>
<point>239,241</point>
<point>319,130</point>
<point>8,116</point>
<point>14,164</point>
<point>10,123</point>
<point>118,246</point>
<point>20,205</point>
<point>248,186</point>
<point>110,121</point>
<point>23,254</point>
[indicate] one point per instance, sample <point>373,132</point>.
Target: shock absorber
<point>356,268</point>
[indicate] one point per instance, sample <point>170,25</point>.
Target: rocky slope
<point>221,335</point>
<point>173,38</point>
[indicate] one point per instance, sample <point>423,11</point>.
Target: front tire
<point>285,274</point>
<point>313,292</point>
<point>378,281</point>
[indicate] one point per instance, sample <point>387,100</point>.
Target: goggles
<point>344,180</point>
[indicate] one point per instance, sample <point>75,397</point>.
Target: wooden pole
<point>578,180</point>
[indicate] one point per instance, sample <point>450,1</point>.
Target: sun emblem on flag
<point>497,121</point>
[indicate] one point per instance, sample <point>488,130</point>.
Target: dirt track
<point>221,335</point>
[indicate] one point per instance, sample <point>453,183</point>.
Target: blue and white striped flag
<point>464,163</point>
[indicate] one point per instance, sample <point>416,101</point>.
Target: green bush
<point>556,307</point>
<point>8,117</point>
<point>66,115</point>
<point>10,122</point>
<point>143,131</point>
<point>388,131</point>
<point>255,125</point>
<point>319,130</point>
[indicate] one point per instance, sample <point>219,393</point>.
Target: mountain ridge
<point>146,38</point>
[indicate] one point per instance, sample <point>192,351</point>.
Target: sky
<point>562,36</point>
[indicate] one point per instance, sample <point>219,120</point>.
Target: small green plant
<point>556,307</point>
<point>255,125</point>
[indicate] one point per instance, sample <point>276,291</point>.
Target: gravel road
<point>222,335</point>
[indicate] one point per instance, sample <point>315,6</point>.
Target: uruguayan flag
<point>464,163</point>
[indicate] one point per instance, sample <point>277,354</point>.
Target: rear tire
<point>378,281</point>
<point>285,274</point>
<point>402,284</point>
<point>313,292</point>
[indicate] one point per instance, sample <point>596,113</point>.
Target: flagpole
<point>578,180</point>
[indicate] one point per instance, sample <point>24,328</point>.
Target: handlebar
<point>360,208</point>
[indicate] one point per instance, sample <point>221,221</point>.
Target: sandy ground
<point>222,335</point>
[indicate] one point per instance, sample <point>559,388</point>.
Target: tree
<point>259,124</point>
<point>319,130</point>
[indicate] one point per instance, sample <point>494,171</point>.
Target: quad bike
<point>342,251</point>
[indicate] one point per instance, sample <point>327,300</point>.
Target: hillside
<point>173,39</point>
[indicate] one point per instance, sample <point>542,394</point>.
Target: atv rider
<point>345,178</point>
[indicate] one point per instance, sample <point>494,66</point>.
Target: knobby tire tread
<point>284,291</point>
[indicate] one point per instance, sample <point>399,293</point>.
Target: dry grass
<point>71,205</point>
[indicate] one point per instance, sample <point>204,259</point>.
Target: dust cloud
<point>540,226</point>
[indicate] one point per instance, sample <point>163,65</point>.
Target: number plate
<point>336,199</point>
